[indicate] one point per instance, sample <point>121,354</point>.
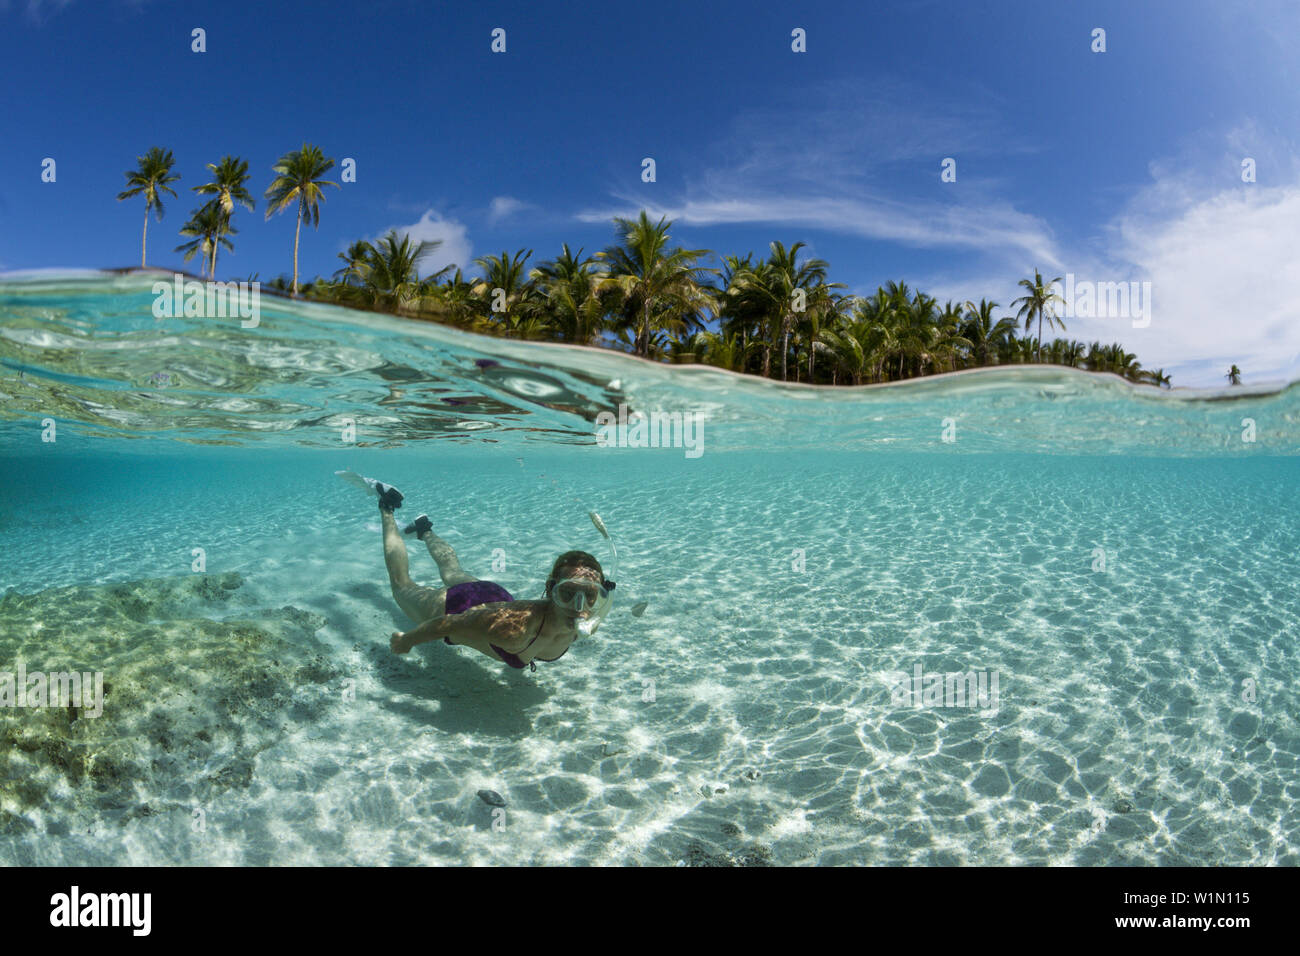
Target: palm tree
<point>915,328</point>
<point>1023,350</point>
<point>985,335</point>
<point>657,301</point>
<point>743,306</point>
<point>298,177</point>
<point>508,273</point>
<point>1156,377</point>
<point>389,273</point>
<point>689,348</point>
<point>571,289</point>
<point>853,345</point>
<point>355,263</point>
<point>740,314</point>
<point>453,300</point>
<point>228,178</point>
<point>1234,376</point>
<point>208,227</point>
<point>152,177</point>
<point>628,338</point>
<point>781,280</point>
<point>825,309</point>
<point>950,346</point>
<point>654,282</point>
<point>769,290</point>
<point>1112,358</point>
<point>879,335</point>
<point>1039,303</point>
<point>725,351</point>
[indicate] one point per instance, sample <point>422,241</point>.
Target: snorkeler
<point>482,614</point>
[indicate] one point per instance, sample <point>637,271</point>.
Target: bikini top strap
<point>532,667</point>
<point>535,636</point>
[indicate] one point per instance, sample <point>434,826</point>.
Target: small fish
<point>639,609</point>
<point>600,525</point>
<point>492,798</point>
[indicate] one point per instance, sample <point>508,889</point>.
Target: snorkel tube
<point>602,607</point>
<point>613,565</point>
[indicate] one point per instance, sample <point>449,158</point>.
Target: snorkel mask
<point>583,592</point>
<point>580,594</point>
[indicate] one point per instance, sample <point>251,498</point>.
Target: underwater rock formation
<point>188,701</point>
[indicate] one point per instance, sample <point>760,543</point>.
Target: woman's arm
<point>435,628</point>
<point>505,624</point>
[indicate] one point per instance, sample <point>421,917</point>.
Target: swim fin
<point>421,525</point>
<point>382,490</point>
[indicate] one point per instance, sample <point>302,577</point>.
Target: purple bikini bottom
<point>461,597</point>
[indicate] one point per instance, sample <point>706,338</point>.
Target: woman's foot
<point>389,497</point>
<point>419,527</point>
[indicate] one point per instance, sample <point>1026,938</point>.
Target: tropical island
<point>776,316</point>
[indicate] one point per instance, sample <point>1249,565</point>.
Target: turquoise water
<point>1121,559</point>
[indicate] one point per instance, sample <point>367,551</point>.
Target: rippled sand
<point>746,718</point>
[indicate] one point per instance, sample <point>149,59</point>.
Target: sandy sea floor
<point>254,713</point>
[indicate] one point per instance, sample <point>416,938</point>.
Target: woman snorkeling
<point>482,614</point>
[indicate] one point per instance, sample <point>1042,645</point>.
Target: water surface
<point>1120,557</point>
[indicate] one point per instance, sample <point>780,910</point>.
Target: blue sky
<point>1115,166</point>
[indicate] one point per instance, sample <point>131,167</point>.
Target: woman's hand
<point>399,643</point>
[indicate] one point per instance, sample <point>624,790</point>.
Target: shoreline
<point>1187,392</point>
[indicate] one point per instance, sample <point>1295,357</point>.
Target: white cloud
<point>455,246</point>
<point>832,132</point>
<point>1223,268</point>
<point>503,206</point>
<point>1224,272</point>
<point>1221,255</point>
<point>989,227</point>
<point>38,10</point>
<point>816,159</point>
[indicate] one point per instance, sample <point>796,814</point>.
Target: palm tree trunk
<point>644,344</point>
<point>296,232</point>
<point>1040,337</point>
<point>213,274</point>
<point>144,235</point>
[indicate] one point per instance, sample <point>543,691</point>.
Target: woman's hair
<point>571,561</point>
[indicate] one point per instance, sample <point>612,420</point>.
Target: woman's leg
<point>445,556</point>
<point>418,603</point>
